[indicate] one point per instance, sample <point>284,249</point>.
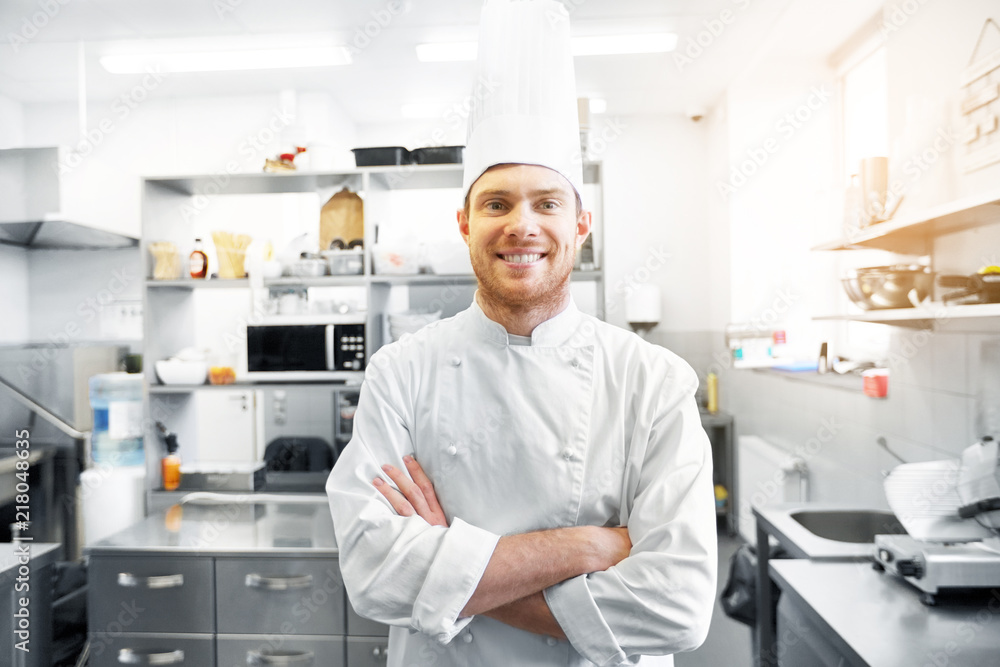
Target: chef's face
<point>523,227</point>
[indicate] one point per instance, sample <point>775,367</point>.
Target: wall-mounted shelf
<point>189,283</point>
<point>913,234</point>
<point>317,281</point>
<point>928,316</point>
<point>188,312</point>
<point>348,377</point>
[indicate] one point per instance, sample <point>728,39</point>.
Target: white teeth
<point>522,259</point>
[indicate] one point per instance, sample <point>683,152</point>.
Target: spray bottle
<point>170,465</point>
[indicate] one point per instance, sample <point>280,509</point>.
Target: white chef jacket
<point>589,425</point>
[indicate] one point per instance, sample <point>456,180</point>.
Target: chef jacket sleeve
<point>659,599</point>
<point>398,570</point>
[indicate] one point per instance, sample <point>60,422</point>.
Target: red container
<point>876,382</point>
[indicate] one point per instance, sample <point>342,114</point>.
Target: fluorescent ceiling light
<point>598,105</point>
<point>447,52</point>
<point>593,45</point>
<point>612,45</point>
<point>224,61</point>
<point>422,110</point>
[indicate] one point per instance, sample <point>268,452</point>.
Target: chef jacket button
<point>567,453</point>
<point>575,363</point>
<point>550,641</point>
<point>467,637</point>
<point>452,450</point>
<point>455,361</point>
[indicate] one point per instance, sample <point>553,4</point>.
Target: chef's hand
<point>415,495</point>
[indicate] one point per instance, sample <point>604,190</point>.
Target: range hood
<point>61,235</point>
<point>43,209</point>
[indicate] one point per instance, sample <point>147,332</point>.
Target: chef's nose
<point>522,222</point>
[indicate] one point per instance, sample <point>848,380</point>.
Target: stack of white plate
<point>409,322</point>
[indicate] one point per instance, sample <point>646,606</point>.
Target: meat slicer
<point>951,512</point>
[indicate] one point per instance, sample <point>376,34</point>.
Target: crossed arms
<point>522,566</point>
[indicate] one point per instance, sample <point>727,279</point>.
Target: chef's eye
<point>493,206</point>
<point>549,205</point>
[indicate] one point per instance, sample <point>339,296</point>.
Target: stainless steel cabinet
<point>359,625</point>
<point>291,596</point>
<point>151,594</point>
<point>140,648</point>
<point>229,611</point>
<point>280,651</point>
<point>367,651</point>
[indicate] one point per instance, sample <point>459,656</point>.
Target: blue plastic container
<point>116,399</point>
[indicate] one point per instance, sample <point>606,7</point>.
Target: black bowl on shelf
<point>381,156</point>
<point>437,155</point>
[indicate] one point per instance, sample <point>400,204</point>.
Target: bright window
<point>865,134</point>
<point>866,131</point>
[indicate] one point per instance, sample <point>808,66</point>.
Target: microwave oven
<point>304,351</point>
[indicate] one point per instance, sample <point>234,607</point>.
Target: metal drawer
<point>367,652</point>
<point>361,626</point>
<point>150,594</point>
<point>182,650</point>
<point>290,596</point>
<point>279,651</point>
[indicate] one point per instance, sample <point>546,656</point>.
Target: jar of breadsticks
<point>231,253</point>
<point>166,260</point>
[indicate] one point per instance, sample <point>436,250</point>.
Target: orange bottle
<point>170,465</point>
<point>198,261</point>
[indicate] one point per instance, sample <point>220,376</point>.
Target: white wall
<point>14,295</point>
<point>11,123</point>
<point>781,118</point>
<point>69,289</point>
<point>655,217</point>
<point>163,135</point>
<point>934,405</point>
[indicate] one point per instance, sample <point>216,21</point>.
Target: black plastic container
<point>381,156</point>
<point>437,155</point>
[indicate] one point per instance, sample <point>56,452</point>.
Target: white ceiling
<point>386,73</point>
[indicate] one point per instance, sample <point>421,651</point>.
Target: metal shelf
<point>926,317</point>
<point>318,281</point>
<point>350,378</point>
<point>192,283</point>
<point>912,234</point>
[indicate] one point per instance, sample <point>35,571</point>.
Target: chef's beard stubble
<point>548,290</point>
<point>544,290</point>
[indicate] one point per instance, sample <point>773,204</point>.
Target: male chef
<point>526,484</point>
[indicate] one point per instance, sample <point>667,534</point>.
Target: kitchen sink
<point>855,526</point>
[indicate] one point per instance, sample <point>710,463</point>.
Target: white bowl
<point>178,371</point>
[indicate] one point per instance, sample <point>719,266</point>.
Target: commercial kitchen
<point>213,215</point>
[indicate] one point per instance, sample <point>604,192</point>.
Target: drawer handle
<point>131,656</point>
<point>129,580</point>
<point>279,583</point>
<point>380,652</point>
<point>255,658</point>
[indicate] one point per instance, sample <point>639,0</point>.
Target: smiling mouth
<point>521,258</point>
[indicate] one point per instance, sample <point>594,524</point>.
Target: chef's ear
<point>583,224</point>
<point>463,224</point>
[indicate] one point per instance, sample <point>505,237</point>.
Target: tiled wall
<point>932,411</point>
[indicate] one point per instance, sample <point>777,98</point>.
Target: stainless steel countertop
<point>799,542</point>
<point>878,620</point>
<point>240,527</point>
<point>42,553</point>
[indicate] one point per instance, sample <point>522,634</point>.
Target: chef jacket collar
<point>561,329</point>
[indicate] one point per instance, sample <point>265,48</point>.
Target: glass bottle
<point>198,261</point>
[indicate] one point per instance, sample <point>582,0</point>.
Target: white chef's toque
<point>525,110</point>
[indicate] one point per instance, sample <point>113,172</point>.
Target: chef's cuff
<point>577,613</point>
<point>451,580</point>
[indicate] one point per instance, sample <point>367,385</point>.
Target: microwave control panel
<point>349,347</point>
